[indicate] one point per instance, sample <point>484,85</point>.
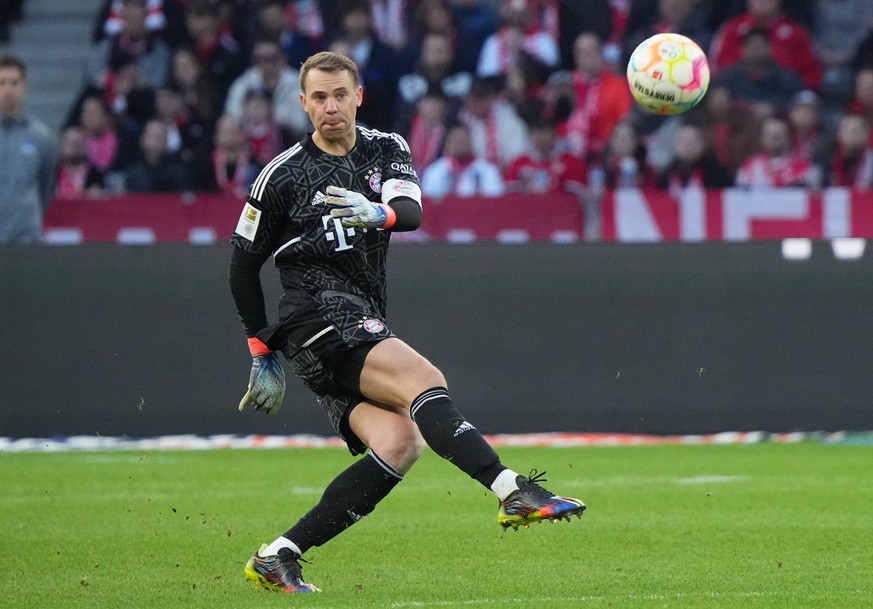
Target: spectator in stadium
<point>390,19</point>
<point>427,129</point>
<point>11,12</point>
<point>382,396</point>
<point>862,101</point>
<point>497,131</point>
<point>379,64</point>
<point>839,28</point>
<point>432,17</point>
<point>29,155</point>
<point>623,163</point>
<point>234,17</point>
<point>233,170</point>
<point>77,177</point>
<point>546,168</point>
<point>278,20</point>
<point>805,120</point>
<point>600,17</point>
<point>524,82</point>
<point>546,17</point>
<point>434,71</point>
<point>102,140</point>
<point>187,137</point>
<point>853,158</point>
<point>719,12</point>
<point>435,17</point>
<point>517,34</point>
<point>188,76</point>
<point>475,21</point>
<point>156,169</point>
<point>673,16</point>
<point>524,86</point>
<point>863,58</point>
<point>111,19</point>
<point>266,137</point>
<point>757,80</point>
<point>791,43</point>
<point>271,75</point>
<point>734,131</point>
<point>460,172</point>
<point>694,163</point>
<point>135,41</point>
<point>221,56</point>
<point>557,96</point>
<point>601,99</point>
<point>130,100</point>
<point>776,166</point>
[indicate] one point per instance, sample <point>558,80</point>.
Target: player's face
<point>331,101</point>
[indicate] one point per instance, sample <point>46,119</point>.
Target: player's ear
<point>303,100</point>
<point>359,93</point>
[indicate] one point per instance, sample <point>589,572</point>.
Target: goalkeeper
<point>324,210</point>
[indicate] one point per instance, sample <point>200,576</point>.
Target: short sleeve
<point>261,220</point>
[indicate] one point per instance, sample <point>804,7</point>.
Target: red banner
<point>630,215</point>
<point>626,215</point>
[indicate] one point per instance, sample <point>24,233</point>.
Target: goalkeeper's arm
<point>404,197</point>
<point>407,214</point>
<point>400,209</point>
<point>245,286</point>
<point>266,387</point>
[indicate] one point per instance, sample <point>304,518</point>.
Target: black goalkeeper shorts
<point>328,356</point>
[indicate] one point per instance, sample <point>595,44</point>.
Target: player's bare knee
<point>433,377</point>
<point>400,446</point>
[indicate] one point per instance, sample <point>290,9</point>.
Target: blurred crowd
<point>492,95</point>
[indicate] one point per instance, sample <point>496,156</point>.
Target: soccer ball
<point>668,74</point>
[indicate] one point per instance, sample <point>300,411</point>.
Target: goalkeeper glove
<point>354,209</point>
<point>266,388</point>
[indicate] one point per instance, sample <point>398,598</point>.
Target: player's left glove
<point>266,388</point>
<point>354,209</point>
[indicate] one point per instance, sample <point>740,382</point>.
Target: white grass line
<point>557,440</point>
<point>711,479</point>
<point>582,599</point>
<point>306,490</point>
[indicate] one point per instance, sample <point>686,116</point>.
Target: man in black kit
<point>325,209</point>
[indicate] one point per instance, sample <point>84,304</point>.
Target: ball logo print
<point>668,74</point>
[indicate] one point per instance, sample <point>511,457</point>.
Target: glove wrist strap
<point>257,347</point>
<point>390,216</point>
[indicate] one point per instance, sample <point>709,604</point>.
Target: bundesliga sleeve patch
<point>249,219</point>
<point>400,188</point>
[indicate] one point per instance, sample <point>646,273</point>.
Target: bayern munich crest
<point>374,178</point>
<point>373,326</point>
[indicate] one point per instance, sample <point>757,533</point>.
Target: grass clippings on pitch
<point>762,526</point>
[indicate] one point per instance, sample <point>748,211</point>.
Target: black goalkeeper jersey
<point>318,258</point>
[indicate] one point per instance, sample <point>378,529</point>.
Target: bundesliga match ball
<point>668,74</point>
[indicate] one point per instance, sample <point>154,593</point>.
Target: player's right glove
<point>266,388</point>
<point>354,209</point>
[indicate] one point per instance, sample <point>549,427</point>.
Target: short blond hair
<point>328,61</point>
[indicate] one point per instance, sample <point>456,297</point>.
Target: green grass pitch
<point>766,525</point>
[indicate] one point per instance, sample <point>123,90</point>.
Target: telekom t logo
<point>335,231</point>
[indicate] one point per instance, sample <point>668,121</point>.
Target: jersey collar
<point>313,150</point>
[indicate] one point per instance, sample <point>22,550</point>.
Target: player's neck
<point>336,147</point>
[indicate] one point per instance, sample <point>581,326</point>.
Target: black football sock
<point>453,438</point>
<point>352,495</point>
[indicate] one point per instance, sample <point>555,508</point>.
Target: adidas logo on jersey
<point>318,199</point>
